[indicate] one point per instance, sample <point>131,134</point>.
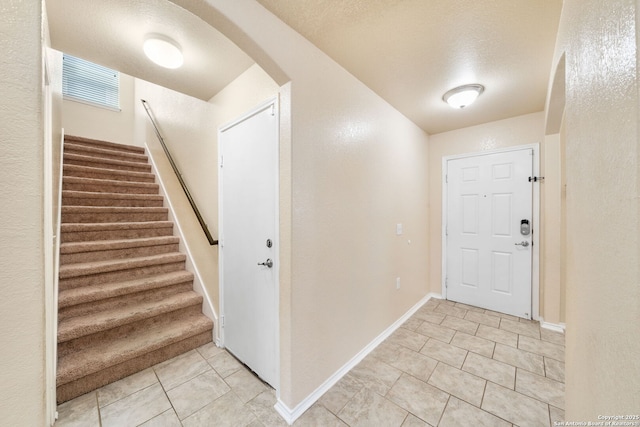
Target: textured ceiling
<point>412,51</point>
<point>111,33</point>
<point>408,51</point>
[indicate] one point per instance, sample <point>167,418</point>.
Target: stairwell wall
<point>89,121</point>
<point>22,306</point>
<point>600,43</point>
<point>190,129</point>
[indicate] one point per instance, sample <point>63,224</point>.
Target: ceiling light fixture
<point>463,96</point>
<point>163,51</point>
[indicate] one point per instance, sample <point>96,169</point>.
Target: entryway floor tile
<point>449,364</point>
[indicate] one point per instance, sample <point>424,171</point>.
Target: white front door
<point>488,250</point>
<point>249,239</point>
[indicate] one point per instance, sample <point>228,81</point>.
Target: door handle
<point>267,263</point>
<point>524,244</point>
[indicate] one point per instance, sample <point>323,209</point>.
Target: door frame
<point>535,235</point>
<point>274,104</point>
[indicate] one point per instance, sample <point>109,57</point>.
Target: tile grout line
<point>98,407</point>
<point>166,395</point>
<point>443,410</point>
<point>532,397</point>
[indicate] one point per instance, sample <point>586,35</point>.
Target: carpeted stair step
<point>110,360</point>
<point>125,299</point>
<point>78,140</point>
<point>99,272</point>
<point>83,300</point>
<point>97,162</point>
<point>110,320</point>
<point>104,153</point>
<point>108,186</point>
<point>89,198</point>
<point>157,296</point>
<point>102,214</point>
<point>80,252</point>
<point>117,230</point>
<point>110,174</point>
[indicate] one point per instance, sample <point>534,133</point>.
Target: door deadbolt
<point>269,243</point>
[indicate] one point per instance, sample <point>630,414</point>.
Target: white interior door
<point>249,243</point>
<point>488,258</point>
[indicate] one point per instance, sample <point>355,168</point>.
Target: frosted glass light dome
<point>463,96</point>
<point>163,51</point>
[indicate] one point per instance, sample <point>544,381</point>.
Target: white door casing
<point>487,260</point>
<point>248,237</point>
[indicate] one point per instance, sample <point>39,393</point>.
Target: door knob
<point>267,263</point>
<point>524,244</point>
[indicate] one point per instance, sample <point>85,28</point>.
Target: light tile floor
<point>449,365</point>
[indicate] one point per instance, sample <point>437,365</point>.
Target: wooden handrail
<point>192,202</point>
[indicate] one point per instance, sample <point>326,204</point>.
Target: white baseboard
<point>556,327</point>
<point>290,415</point>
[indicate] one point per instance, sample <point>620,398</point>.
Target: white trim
<point>56,264</point>
<point>272,102</point>
<point>50,306</point>
<point>556,327</point>
<point>290,415</point>
<point>535,256</point>
<point>198,284</point>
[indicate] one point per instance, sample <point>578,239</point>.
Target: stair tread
<point>112,145</point>
<point>98,181</point>
<point>98,151</point>
<point>94,267</point>
<point>115,172</point>
<point>96,209</point>
<point>105,161</point>
<point>107,226</point>
<point>107,353</point>
<point>84,294</point>
<point>79,326</point>
<point>104,195</point>
<point>124,301</point>
<point>102,245</point>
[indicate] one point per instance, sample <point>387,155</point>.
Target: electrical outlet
<point>399,229</point>
<point>397,283</point>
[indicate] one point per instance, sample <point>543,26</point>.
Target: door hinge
<point>446,230</point>
<point>222,321</point>
<point>221,161</point>
<point>446,178</point>
<point>446,283</point>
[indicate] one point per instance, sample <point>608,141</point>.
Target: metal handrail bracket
<point>192,202</point>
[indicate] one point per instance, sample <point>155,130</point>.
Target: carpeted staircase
<point>126,301</point>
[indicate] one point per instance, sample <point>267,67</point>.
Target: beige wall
<point>89,121</point>
<point>357,167</point>
<point>22,376</point>
<point>552,257</point>
<point>247,91</point>
<point>602,207</point>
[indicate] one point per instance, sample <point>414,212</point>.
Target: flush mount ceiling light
<point>462,96</point>
<point>163,51</point>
